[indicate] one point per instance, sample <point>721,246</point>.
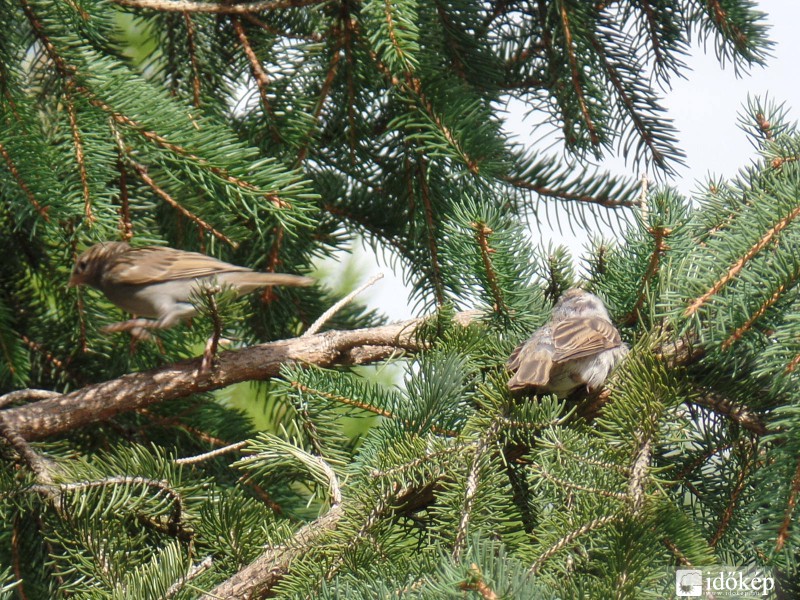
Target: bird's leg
<point>165,321</point>
<point>137,327</point>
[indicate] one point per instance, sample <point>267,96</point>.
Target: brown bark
<point>101,401</point>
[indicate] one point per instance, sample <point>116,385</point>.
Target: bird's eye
<point>81,265</point>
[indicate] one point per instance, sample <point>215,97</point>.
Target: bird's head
<point>90,264</point>
<point>576,301</point>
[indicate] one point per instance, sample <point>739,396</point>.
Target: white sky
<point>704,107</point>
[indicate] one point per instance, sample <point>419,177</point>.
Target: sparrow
<point>578,346</point>
<point>157,282</point>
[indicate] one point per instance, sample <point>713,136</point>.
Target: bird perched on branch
<point>157,282</point>
<point>578,346</point>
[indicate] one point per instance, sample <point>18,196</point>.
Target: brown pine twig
<point>125,224</point>
<point>476,583</point>
<point>653,31</point>
<point>638,478</point>
<point>744,328</point>
<point>341,303</point>
<point>737,413</point>
<point>190,33</point>
<point>16,560</point>
<point>727,515</point>
<point>273,260</point>
<point>720,15</point>
<point>791,504</point>
<point>792,365</point>
<point>676,552</point>
<point>413,86</point>
<point>543,190</point>
<point>734,270</point>
<point>42,210</point>
<point>659,248</point>
<point>633,114</point>
<point>323,96</point>
<point>482,232</point>
<point>79,157</point>
<point>576,78</point>
<point>430,227</point>
<point>262,80</point>
<point>193,460</point>
<point>483,445</point>
<point>142,171</point>
<point>571,537</point>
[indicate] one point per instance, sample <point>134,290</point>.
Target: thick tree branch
<point>100,402</point>
<point>186,6</point>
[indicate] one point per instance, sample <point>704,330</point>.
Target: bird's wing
<point>579,337</point>
<point>531,361</point>
<point>154,264</point>
<point>532,369</point>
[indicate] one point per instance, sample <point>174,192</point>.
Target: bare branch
<point>28,394</point>
<point>190,460</point>
<point>325,317</point>
<point>101,401</point>
<point>196,570</point>
<point>272,565</point>
<point>188,6</point>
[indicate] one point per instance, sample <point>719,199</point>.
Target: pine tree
<point>275,132</point>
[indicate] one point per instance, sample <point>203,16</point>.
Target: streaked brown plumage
<point>578,346</point>
<point>157,282</point>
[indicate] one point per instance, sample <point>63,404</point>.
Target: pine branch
<point>100,402</point>
<point>262,80</point>
<point>571,537</point>
<point>551,192</point>
<point>733,411</point>
<point>187,6</point>
<point>659,248</point>
<point>576,76</point>
<point>745,327</point>
<point>159,191</point>
<point>196,570</point>
<point>481,449</point>
<point>638,478</point>
<point>266,570</point>
<point>728,513</point>
<point>791,504</point>
<point>430,228</point>
<point>328,314</point>
<point>79,154</point>
<point>193,58</point>
<point>476,583</point>
<point>482,232</point>
<point>12,168</point>
<point>734,270</point>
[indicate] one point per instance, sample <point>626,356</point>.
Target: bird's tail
<point>248,281</point>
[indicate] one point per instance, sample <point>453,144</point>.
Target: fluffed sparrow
<point>157,282</point>
<point>578,346</point>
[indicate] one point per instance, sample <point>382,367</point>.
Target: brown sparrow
<point>578,346</point>
<point>157,282</point>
